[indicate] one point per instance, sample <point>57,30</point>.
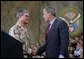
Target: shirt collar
<point>51,22</point>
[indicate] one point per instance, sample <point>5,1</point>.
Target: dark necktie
<point>47,31</point>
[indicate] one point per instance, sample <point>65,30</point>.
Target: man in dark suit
<point>10,47</point>
<point>57,36</point>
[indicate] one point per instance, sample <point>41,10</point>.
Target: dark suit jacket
<point>10,47</point>
<point>57,41</point>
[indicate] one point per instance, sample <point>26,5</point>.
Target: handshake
<point>33,50</point>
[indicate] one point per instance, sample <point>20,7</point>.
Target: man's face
<point>24,18</point>
<point>46,15</point>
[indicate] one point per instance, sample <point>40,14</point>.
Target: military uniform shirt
<point>20,33</point>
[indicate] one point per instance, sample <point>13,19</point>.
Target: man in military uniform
<point>19,30</point>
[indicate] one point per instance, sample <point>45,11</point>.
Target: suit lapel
<point>54,24</point>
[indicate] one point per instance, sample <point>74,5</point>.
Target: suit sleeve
<point>41,49</point>
<point>64,38</point>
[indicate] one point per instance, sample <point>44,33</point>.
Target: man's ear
<point>20,16</point>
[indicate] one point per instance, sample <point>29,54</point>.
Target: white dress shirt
<point>51,23</point>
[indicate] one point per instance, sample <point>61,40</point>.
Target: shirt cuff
<point>61,56</point>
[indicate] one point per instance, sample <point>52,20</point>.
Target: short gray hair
<point>21,12</point>
<point>50,10</point>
